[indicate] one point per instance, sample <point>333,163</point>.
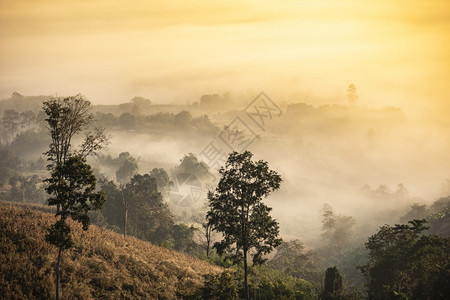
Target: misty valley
<point>225,197</point>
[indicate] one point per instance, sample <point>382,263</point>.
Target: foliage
<point>268,283</point>
<point>405,263</point>
<point>292,258</point>
<point>158,123</point>
<point>337,233</point>
<point>183,237</point>
<point>72,184</point>
<point>128,168</point>
<point>30,144</point>
<point>112,209</point>
<point>352,96</point>
<point>122,167</point>
<point>163,182</point>
<point>384,193</point>
<point>127,121</point>
<point>25,189</point>
<point>220,286</point>
<point>333,284</point>
<point>215,101</point>
<point>9,165</point>
<point>191,165</point>
<point>149,218</point>
<point>439,218</point>
<point>417,211</point>
<point>236,210</point>
<point>183,119</point>
<point>10,125</point>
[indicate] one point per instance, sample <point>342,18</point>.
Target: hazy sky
<point>397,52</point>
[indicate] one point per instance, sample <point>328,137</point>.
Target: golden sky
<point>396,52</point>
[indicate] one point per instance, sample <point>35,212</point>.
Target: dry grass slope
<point>101,265</point>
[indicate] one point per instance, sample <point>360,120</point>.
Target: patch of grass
<point>101,265</point>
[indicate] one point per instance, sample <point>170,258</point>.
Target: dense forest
<point>88,164</point>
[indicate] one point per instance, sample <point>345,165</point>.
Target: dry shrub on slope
<point>101,264</point>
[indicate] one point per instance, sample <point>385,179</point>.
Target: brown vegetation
<point>100,265</point>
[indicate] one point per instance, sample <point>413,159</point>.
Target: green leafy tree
<point>112,209</point>
<point>149,218</point>
<point>163,182</point>
<point>404,263</point>
<point>72,184</point>
<point>221,286</point>
<point>191,165</point>
<point>128,168</point>
<point>236,210</point>
<point>183,238</point>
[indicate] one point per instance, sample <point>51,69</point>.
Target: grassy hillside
<point>100,265</point>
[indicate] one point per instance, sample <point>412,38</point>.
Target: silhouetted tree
<point>337,230</point>
<point>128,168</point>
<point>127,121</point>
<point>72,184</point>
<point>183,119</point>
<point>405,264</point>
<point>191,165</point>
<point>236,210</point>
<point>352,96</point>
<point>149,218</point>
<point>162,180</point>
<point>333,285</point>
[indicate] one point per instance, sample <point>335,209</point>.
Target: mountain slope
<point>101,265</point>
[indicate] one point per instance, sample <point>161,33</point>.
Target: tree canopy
<point>72,184</point>
<point>404,263</point>
<point>236,210</point>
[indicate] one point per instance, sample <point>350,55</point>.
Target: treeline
<point>21,181</point>
<point>160,123</point>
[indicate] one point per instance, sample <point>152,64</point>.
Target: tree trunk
<point>58,262</point>
<point>247,296</point>
<point>208,238</point>
<point>125,216</point>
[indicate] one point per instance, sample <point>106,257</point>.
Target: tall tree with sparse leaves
<point>72,184</point>
<point>236,210</point>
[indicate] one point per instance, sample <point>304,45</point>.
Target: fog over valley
<point>224,149</point>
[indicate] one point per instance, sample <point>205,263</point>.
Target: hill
<point>101,265</point>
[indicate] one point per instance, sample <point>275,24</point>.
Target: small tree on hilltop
<point>236,210</point>
<point>72,184</point>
